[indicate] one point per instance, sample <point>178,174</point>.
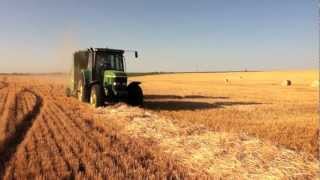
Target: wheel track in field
<point>11,143</point>
<point>3,84</point>
<point>44,153</point>
<point>55,145</point>
<point>68,145</point>
<point>60,132</point>
<point>88,142</point>
<point>71,139</point>
<point>4,92</point>
<point>12,115</point>
<point>99,140</point>
<point>84,141</point>
<point>85,149</point>
<point>3,100</point>
<point>72,133</point>
<point>75,132</point>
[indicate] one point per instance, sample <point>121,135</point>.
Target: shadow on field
<point>153,96</point>
<point>8,146</point>
<point>3,84</point>
<point>190,105</point>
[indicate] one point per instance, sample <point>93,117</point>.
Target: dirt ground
<point>192,126</point>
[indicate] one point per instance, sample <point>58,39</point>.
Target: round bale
<point>286,83</point>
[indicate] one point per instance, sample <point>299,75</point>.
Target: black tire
<point>96,96</point>
<point>135,95</point>
<point>68,92</point>
<point>83,92</point>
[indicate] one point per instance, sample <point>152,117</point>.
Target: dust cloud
<point>31,55</point>
<point>66,46</point>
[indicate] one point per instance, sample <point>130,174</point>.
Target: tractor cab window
<point>110,61</point>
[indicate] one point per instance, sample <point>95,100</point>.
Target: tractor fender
<point>93,82</point>
<point>134,83</point>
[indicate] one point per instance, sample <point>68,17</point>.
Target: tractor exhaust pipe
<point>133,51</point>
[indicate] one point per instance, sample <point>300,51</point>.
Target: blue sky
<point>39,36</point>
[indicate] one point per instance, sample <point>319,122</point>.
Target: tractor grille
<point>121,83</point>
<point>121,79</point>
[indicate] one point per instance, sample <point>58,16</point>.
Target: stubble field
<point>192,126</point>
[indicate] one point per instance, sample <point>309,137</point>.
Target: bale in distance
<point>286,83</point>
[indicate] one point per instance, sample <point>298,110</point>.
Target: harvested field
<point>254,103</point>
<point>251,127</point>
<point>215,154</point>
<point>58,137</point>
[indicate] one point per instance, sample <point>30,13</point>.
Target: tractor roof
<point>106,50</point>
<point>85,52</point>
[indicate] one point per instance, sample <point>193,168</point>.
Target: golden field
<point>192,126</point>
<point>253,103</point>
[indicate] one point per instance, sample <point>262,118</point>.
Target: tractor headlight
<point>114,83</point>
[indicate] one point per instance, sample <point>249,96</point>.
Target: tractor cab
<point>98,75</point>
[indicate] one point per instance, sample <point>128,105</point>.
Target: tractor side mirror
<point>136,54</point>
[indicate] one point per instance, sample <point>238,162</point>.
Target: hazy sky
<point>39,36</point>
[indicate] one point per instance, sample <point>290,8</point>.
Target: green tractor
<point>98,76</point>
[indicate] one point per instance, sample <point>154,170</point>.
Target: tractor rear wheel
<point>135,95</point>
<point>96,96</point>
<point>82,91</point>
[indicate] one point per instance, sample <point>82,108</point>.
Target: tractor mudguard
<point>93,83</point>
<point>134,83</point>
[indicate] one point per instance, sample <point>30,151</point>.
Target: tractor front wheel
<point>135,95</point>
<point>96,96</point>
